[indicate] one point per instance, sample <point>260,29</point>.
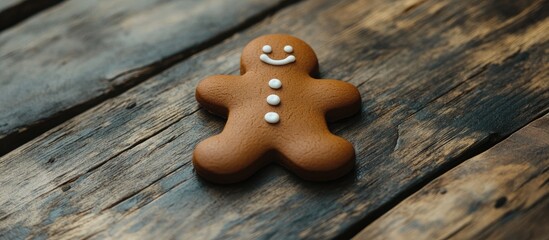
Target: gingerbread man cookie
<point>276,112</point>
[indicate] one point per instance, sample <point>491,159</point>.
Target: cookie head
<point>278,52</point>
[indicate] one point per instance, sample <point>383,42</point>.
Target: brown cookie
<point>276,112</point>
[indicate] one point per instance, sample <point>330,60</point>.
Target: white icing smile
<point>266,59</point>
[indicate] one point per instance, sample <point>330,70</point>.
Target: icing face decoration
<point>268,49</point>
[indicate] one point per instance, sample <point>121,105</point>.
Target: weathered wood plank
<point>15,11</point>
<point>529,224</point>
<point>438,79</point>
<point>499,194</point>
<point>68,59</point>
<point>9,3</point>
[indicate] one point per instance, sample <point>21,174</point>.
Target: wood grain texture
<point>499,194</point>
<point>79,53</point>
<point>9,3</point>
<point>15,11</point>
<point>439,79</point>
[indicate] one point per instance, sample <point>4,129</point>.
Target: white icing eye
<point>288,49</point>
<point>273,100</point>
<point>275,83</point>
<point>272,117</point>
<point>267,49</point>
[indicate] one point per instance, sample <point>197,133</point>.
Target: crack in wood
<point>136,143</point>
<point>66,184</point>
<point>413,6</point>
<point>123,199</point>
<point>457,230</point>
<point>133,194</point>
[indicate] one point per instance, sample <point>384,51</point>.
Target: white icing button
<point>272,117</point>
<point>273,99</point>
<point>288,49</point>
<point>275,83</point>
<point>267,49</point>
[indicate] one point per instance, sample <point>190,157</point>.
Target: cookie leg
<point>225,159</point>
<point>318,157</point>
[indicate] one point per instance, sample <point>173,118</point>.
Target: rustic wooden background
<point>98,119</point>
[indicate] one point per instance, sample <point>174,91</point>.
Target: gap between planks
<point>508,168</point>
<point>482,146</point>
<point>14,14</point>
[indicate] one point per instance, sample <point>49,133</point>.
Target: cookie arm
<point>215,93</point>
<point>338,99</point>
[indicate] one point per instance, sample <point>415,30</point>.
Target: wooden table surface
<point>98,120</point>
